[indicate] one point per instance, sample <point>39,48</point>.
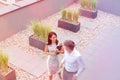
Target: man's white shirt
<point>73,62</point>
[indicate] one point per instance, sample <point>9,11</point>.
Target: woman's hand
<point>56,51</point>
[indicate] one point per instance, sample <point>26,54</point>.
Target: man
<point>73,64</point>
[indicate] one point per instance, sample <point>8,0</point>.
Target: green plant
<point>35,27</point>
<point>75,16</point>
<point>3,62</point>
<point>69,15</point>
<point>82,3</point>
<point>94,2</point>
<point>41,30</point>
<point>72,15</point>
<point>64,13</point>
<point>89,4</point>
<point>0,60</point>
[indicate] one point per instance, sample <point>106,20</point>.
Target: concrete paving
<point>35,65</point>
<point>101,56</point>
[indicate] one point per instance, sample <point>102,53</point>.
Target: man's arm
<point>81,66</point>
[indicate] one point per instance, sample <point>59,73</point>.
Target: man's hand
<point>74,77</point>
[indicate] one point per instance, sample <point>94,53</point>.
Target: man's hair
<point>70,44</point>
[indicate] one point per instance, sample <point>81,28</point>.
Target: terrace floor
<point>84,39</point>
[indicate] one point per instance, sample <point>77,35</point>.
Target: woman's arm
<point>47,51</point>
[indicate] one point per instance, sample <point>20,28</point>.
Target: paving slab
<point>33,64</point>
<point>104,50</point>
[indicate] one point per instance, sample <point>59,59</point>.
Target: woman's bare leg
<point>50,77</point>
<point>60,76</point>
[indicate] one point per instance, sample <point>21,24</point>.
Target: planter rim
<point>68,26</point>
<point>6,73</point>
<point>37,38</point>
<point>88,9</point>
<point>69,21</point>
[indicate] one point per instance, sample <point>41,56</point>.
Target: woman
<point>52,52</point>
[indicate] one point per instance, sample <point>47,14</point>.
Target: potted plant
<point>69,20</point>
<point>75,16</point>
<point>40,36</point>
<point>88,8</point>
<point>64,12</point>
<point>6,72</point>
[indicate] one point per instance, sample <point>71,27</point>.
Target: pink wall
<point>16,21</point>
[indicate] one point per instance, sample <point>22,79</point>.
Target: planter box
<point>69,25</point>
<point>88,13</point>
<point>36,42</point>
<point>8,76</point>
